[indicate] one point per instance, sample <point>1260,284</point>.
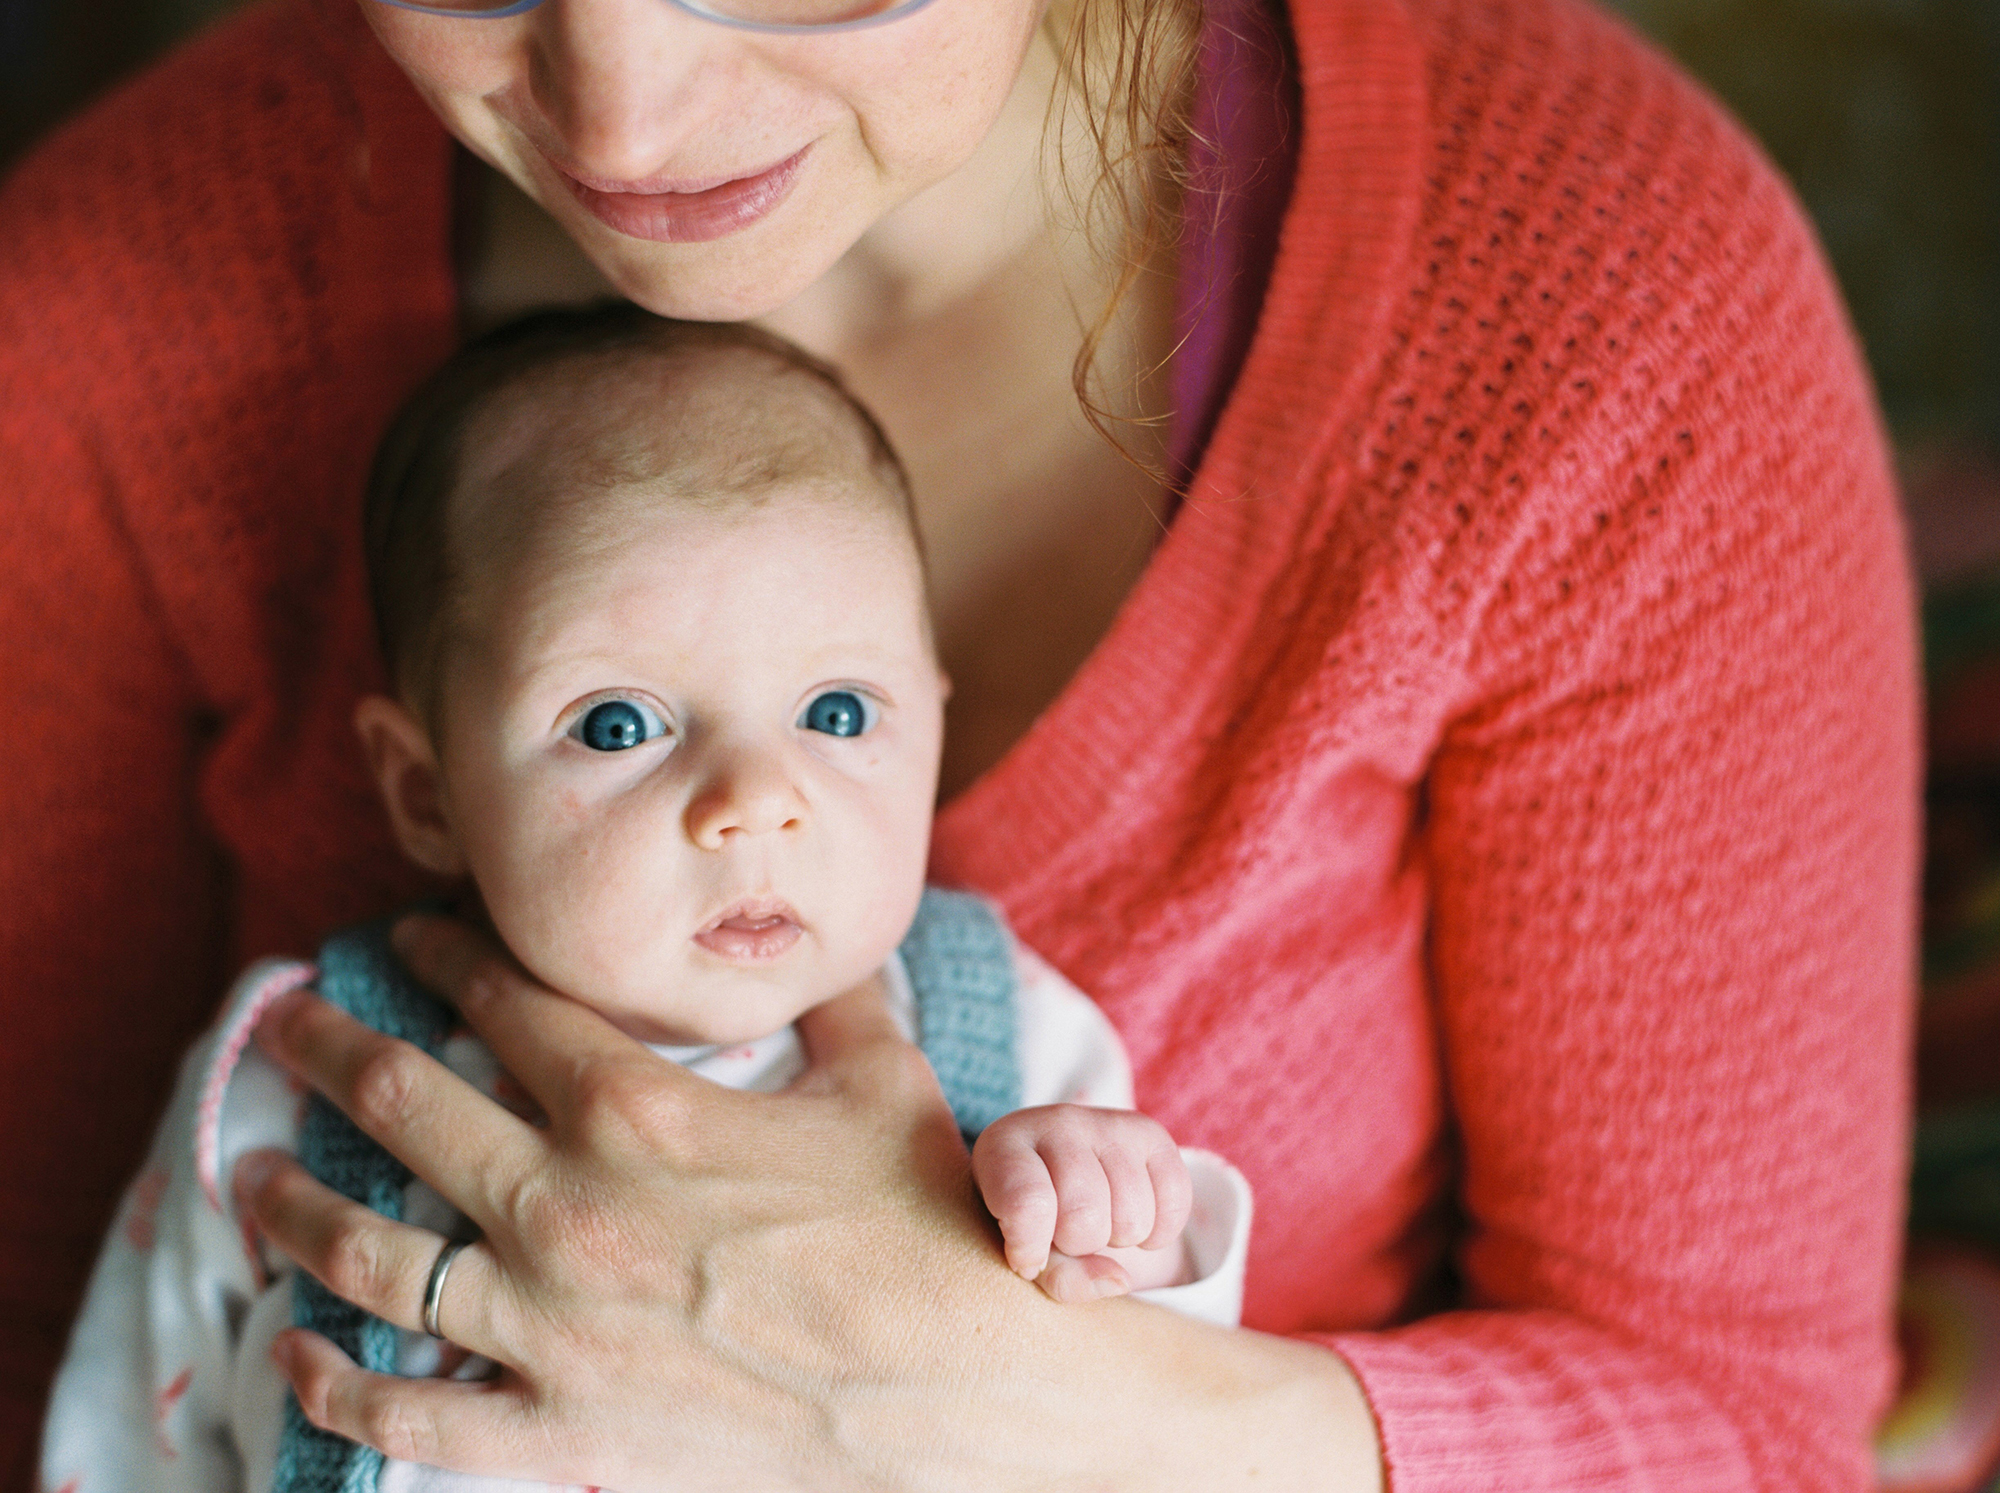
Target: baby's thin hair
<point>405,530</point>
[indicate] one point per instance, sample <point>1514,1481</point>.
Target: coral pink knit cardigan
<point>1490,821</point>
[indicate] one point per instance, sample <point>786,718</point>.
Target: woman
<point>1486,810</point>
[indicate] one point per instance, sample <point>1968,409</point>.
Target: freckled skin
<point>637,92</point>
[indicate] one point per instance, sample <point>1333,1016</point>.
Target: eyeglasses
<point>792,17</point>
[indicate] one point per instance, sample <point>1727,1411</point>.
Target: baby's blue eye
<point>617,724</point>
<point>838,712</point>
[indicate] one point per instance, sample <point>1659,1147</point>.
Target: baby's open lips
<point>751,931</point>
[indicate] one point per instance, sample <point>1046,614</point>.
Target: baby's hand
<point>1082,1181</point>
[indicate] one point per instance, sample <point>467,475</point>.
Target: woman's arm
<point>203,323</point>
<point>109,942</point>
<point>692,1287</point>
<point>1672,846</point>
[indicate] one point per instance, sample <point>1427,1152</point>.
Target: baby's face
<point>689,753</point>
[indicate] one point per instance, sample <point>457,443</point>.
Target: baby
<point>653,604</point>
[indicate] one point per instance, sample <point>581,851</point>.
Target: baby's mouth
<point>751,932</point>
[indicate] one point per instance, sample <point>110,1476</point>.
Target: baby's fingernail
<point>281,1353</point>
<point>1103,1287</point>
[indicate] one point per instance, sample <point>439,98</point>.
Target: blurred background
<point>1885,114</point>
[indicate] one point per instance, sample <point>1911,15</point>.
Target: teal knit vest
<point>961,964</point>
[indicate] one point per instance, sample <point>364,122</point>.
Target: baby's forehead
<point>797,572</point>
<point>717,419</point>
<point>570,462</point>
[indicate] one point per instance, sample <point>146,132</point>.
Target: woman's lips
<point>691,212</point>
<point>751,934</point>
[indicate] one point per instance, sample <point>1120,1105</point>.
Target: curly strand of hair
<point>1127,81</point>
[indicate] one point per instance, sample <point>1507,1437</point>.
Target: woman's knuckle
<point>620,1103</point>
<point>486,979</point>
<point>384,1083</point>
<point>568,1229</point>
<point>353,1265</point>
<point>597,1241</point>
<point>910,1069</point>
<point>543,1217</point>
<point>602,1086</point>
<point>397,1428</point>
<point>895,1074</point>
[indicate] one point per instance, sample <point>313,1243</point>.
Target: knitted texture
<point>358,973</point>
<point>961,965</point>
<point>1490,820</point>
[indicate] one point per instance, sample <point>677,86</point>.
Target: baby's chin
<point>757,1012</point>
<point>665,1001</point>
<point>658,1033</point>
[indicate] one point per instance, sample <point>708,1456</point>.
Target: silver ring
<point>434,1287</point>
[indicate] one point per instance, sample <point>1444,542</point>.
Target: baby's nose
<point>749,793</point>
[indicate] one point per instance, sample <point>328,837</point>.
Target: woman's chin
<point>738,277</point>
<point>706,286</point>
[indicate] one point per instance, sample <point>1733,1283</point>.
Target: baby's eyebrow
<point>575,674</point>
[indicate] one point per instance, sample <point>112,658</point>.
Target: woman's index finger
<point>543,1038</point>
<point>439,1125</point>
<point>851,1021</point>
<point>446,954</point>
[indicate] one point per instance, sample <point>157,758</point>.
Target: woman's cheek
<point>448,60</point>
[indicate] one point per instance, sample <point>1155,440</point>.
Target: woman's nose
<point>748,792</point>
<point>620,82</point>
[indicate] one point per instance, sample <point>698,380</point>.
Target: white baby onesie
<point>168,1384</point>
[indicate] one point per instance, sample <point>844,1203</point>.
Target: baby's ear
<point>406,770</point>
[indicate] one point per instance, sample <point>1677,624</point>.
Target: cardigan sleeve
<point>1672,843</point>
<point>214,286</point>
<point>111,889</point>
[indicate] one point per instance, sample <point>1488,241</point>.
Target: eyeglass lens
<point>771,15</point>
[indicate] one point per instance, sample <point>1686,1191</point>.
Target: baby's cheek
<point>578,910</point>
<point>881,904</point>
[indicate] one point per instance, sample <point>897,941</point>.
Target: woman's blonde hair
<point>1127,84</point>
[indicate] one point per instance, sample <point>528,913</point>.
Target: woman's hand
<point>689,1287</point>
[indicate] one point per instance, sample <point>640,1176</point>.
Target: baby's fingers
<point>1073,1281</point>
<point>1018,1192</point>
<point>1173,1196</point>
<point>1083,1194</point>
<point>1132,1203</point>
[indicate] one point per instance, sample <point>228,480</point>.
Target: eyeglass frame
<point>691,7</point>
